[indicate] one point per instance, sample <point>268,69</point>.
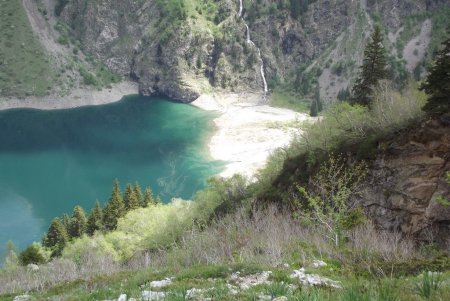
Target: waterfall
<point>263,75</point>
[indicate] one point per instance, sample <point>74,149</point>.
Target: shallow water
<point>53,160</point>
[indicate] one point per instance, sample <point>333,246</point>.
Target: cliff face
<point>182,49</point>
<point>407,180</point>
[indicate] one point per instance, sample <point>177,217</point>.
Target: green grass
<point>24,65</point>
<point>286,99</point>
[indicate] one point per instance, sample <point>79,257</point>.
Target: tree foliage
<point>95,220</point>
<point>373,69</point>
<point>131,199</point>
<point>437,83</point>
<point>31,255</point>
<point>114,209</point>
<point>148,198</point>
<point>78,222</point>
<point>327,202</point>
<point>57,234</point>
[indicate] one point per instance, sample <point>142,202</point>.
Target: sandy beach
<point>77,98</point>
<point>247,132</point>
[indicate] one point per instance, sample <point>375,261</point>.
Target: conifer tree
<point>372,71</point>
<point>131,200</point>
<point>138,191</point>
<point>437,83</point>
<point>66,221</point>
<point>78,222</point>
<point>95,218</point>
<point>316,104</point>
<point>114,209</point>
<point>148,197</point>
<point>157,200</point>
<point>57,236</point>
<point>11,259</point>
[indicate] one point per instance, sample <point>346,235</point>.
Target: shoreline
<point>247,132</point>
<point>76,98</point>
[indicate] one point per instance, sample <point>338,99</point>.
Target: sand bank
<point>247,132</point>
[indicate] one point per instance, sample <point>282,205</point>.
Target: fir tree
<point>437,83</point>
<point>11,259</point>
<point>56,237</point>
<point>131,200</point>
<point>66,221</point>
<point>316,104</point>
<point>138,191</point>
<point>114,209</point>
<point>157,201</point>
<point>78,222</point>
<point>148,197</point>
<point>373,70</point>
<point>95,218</point>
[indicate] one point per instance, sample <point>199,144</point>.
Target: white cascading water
<point>263,76</point>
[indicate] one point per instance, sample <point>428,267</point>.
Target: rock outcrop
<point>407,181</point>
<point>182,52</point>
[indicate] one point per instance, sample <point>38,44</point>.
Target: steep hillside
<point>185,48</point>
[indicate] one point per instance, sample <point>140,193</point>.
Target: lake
<point>53,160</point>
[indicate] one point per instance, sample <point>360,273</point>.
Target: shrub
<point>32,254</point>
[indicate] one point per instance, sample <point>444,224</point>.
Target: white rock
<point>246,282</point>
<point>318,264</point>
<point>282,298</point>
<point>22,298</point>
<point>131,299</point>
<point>33,267</point>
<point>153,296</point>
<point>161,283</point>
<point>122,297</point>
<point>314,280</point>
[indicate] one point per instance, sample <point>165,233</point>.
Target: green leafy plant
<point>429,284</point>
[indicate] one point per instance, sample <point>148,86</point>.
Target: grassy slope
<point>24,64</point>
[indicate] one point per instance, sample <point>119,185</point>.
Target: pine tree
<point>373,70</point>
<point>138,191</point>
<point>114,209</point>
<point>95,218</point>
<point>56,236</point>
<point>66,221</point>
<point>157,201</point>
<point>78,222</point>
<point>11,259</point>
<point>437,83</point>
<point>148,197</point>
<point>316,104</point>
<point>131,200</point>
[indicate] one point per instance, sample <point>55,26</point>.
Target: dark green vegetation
<point>373,69</point>
<point>25,67</point>
<point>437,83</point>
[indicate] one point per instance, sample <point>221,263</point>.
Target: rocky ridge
<point>201,46</point>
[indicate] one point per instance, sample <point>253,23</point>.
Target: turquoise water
<point>52,160</point>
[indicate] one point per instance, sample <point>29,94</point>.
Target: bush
<point>32,254</point>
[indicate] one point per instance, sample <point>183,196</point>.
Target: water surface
<point>52,160</point>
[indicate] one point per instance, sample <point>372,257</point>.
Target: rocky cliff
<point>184,48</point>
<point>407,181</point>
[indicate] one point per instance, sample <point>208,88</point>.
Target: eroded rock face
<point>406,181</point>
<point>207,49</point>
